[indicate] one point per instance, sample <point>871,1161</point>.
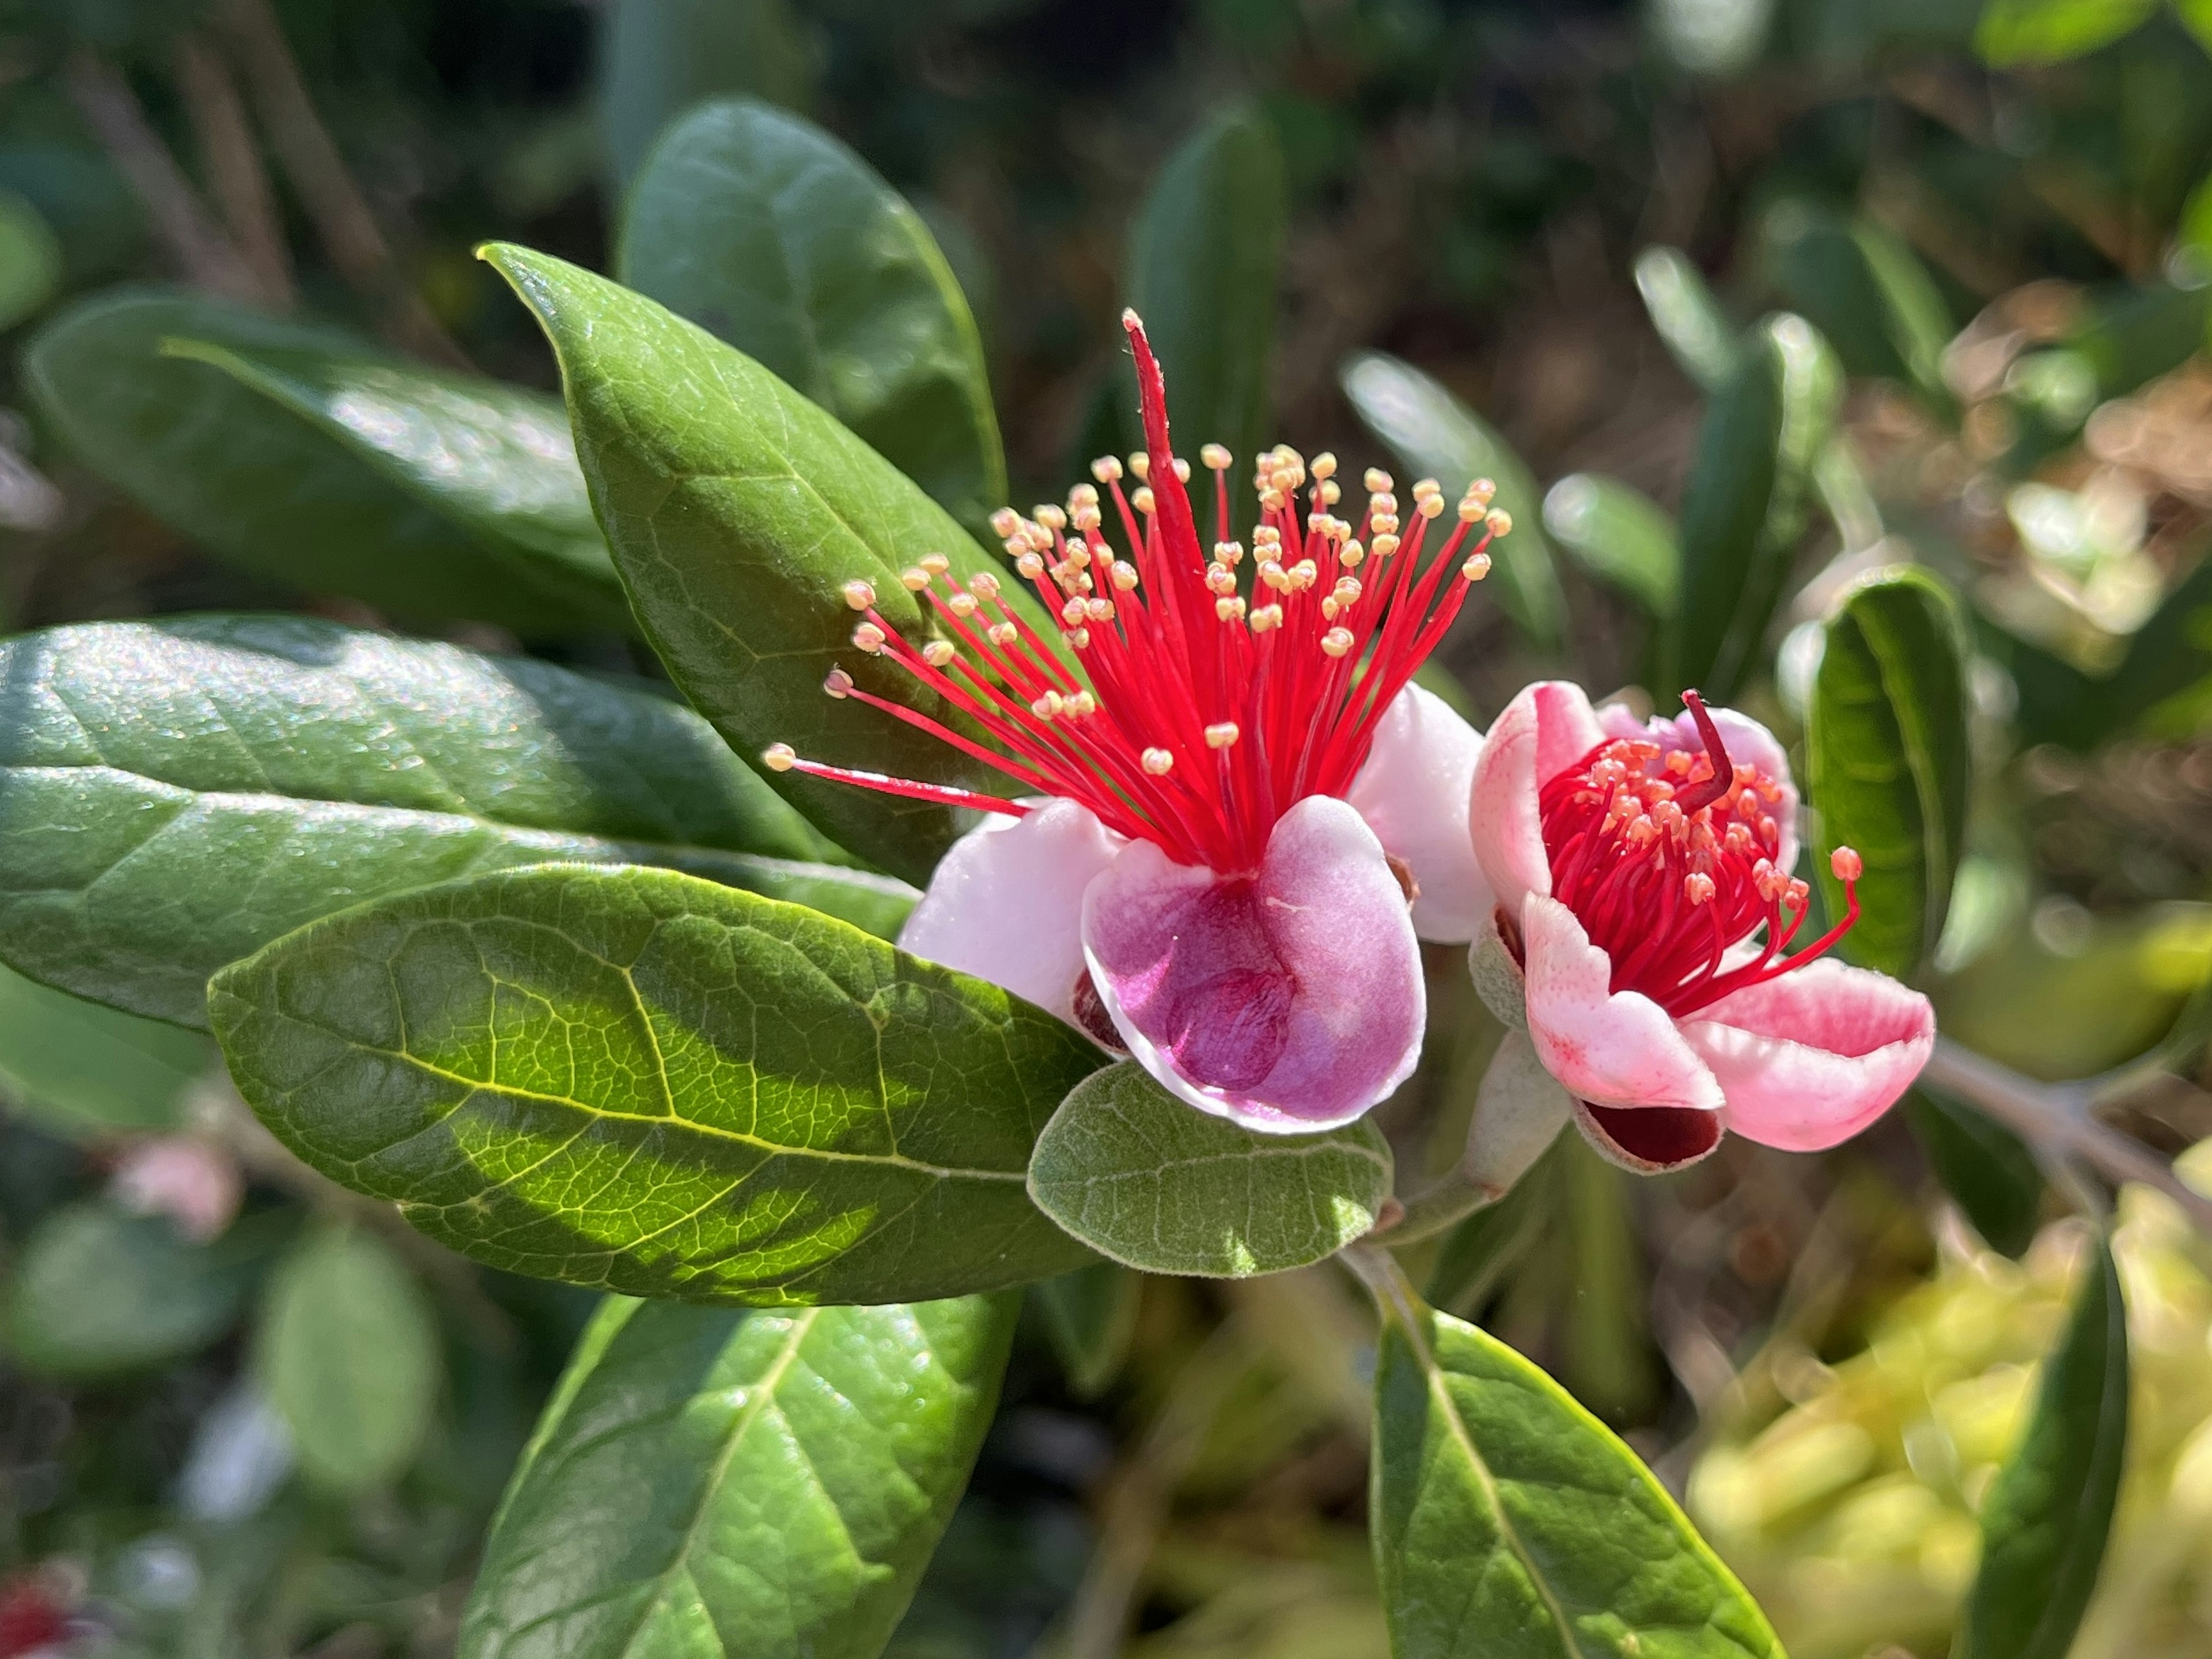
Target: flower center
<point>1193,704</point>
<point>1668,859</point>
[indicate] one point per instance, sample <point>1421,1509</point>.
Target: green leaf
<point>658,57</point>
<point>2012,32</point>
<point>1510,1524</point>
<point>30,259</point>
<point>1156,1184</point>
<point>347,1352</point>
<point>1701,337</point>
<point>2195,231</point>
<point>2048,1511</point>
<point>1619,535</point>
<point>637,1081</point>
<point>97,1291</point>
<point>1745,505</point>
<point>2131,335</point>
<point>1888,762</point>
<point>718,1481</point>
<point>1433,433</point>
<point>2196,16</point>
<point>495,459</point>
<point>259,485</point>
<point>738,511</point>
<point>767,232</point>
<point>1864,289</point>
<point>175,794</point>
<point>79,1068</point>
<point>1091,1317</point>
<point>1206,257</point>
<point>1987,1170</point>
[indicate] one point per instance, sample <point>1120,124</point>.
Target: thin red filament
<point>1668,859</point>
<point>1192,704</point>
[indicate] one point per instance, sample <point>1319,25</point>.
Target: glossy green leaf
<point>1888,762</point>
<point>1864,288</point>
<point>710,1481</point>
<point>95,1291</point>
<point>1619,535</point>
<point>658,57</point>
<point>1510,1523</point>
<point>30,259</point>
<point>347,1352</point>
<point>738,511</point>
<point>1987,1170</point>
<point>766,231</point>
<point>1701,337</point>
<point>81,1069</point>
<point>175,794</point>
<point>1206,257</point>
<point>2028,32</point>
<point>495,459</point>
<point>637,1081</point>
<point>1745,505</point>
<point>2049,1512</point>
<point>2196,16</point>
<point>246,475</point>
<point>1433,432</point>
<point>1151,1183</point>
<point>1091,1317</point>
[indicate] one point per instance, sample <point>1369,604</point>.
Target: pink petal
<point>1413,793</point>
<point>1005,903</point>
<point>1812,1058</point>
<point>1545,730</point>
<point>1746,740</point>
<point>1289,1001</point>
<point>1611,1049</point>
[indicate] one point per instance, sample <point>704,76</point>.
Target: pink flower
<point>1239,811</point>
<point>1645,910</point>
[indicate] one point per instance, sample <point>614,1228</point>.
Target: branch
<point>232,167</point>
<point>2056,1120</point>
<point>117,120</point>
<point>311,161</point>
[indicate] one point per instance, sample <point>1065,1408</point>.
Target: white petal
<point>1007,902</point>
<point>1413,793</point>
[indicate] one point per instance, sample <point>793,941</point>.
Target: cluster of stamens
<point>1183,701</point>
<point>1669,858</point>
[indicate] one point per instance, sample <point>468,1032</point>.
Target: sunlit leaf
<point>1702,338</point>
<point>718,1481</point>
<point>1619,535</point>
<point>737,511</point>
<point>1888,765</point>
<point>175,794</point>
<point>2049,1513</point>
<point>1154,1183</point>
<point>1433,432</point>
<point>766,231</point>
<point>2027,32</point>
<point>637,1081</point>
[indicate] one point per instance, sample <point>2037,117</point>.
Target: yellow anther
<point>962,604</point>
<point>937,652</point>
<point>1229,608</point>
<point>983,584</point>
<point>1385,523</point>
<point>1005,522</point>
<point>1428,507</point>
<point>1125,575</point>
<point>1376,480</point>
<point>1002,634</point>
<point>1158,762</point>
<point>1273,500</point>
<point>1231,553</point>
<point>1048,706</point>
<point>1081,495</point>
<point>859,594</point>
<point>913,579</point>
<point>838,683</point>
<point>1071,612</point>
<point>1079,638</point>
<point>1220,580</point>
<point>1499,521</point>
<point>1141,466</point>
<point>1107,469</point>
<point>1353,556</point>
<point>1483,490</point>
<point>1698,888</point>
<point>1266,617</point>
<point>1098,611</point>
<point>1324,465</point>
<point>1031,566</point>
<point>779,757</point>
<point>1337,641</point>
<point>1050,517</point>
<point>1476,568</point>
<point>1217,459</point>
<point>1426,487</point>
<point>1329,492</point>
<point>1087,518</point>
<point>936,563</point>
<point>1271,572</point>
<point>1304,575</point>
<point>869,638</point>
<point>1078,705</point>
<point>1383,545</point>
<point>1221,734</point>
<point>1182,469</point>
<point>1142,499</point>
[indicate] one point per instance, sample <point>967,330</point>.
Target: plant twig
<point>203,254</point>
<point>233,167</point>
<point>1136,1503</point>
<point>2056,1120</point>
<point>327,190</point>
